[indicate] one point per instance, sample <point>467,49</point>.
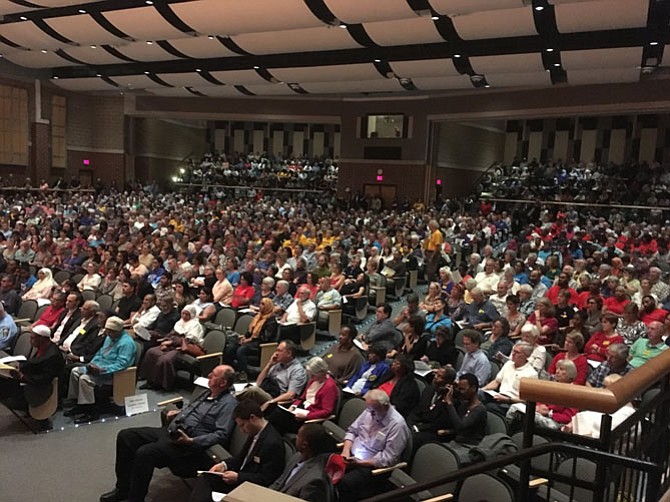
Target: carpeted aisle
<point>76,464</point>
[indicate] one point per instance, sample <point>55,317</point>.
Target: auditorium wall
<point>615,138</point>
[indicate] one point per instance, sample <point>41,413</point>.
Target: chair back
<point>432,460</point>
<point>61,275</point>
<point>485,487</point>
<point>237,440</point>
<point>307,335</point>
<point>77,277</point>
<point>215,341</point>
<point>48,408</point>
<point>267,349</point>
<point>105,302</point>
<point>88,294</point>
<point>495,423</point>
<point>242,324</point>
<point>40,311</point>
<point>351,410</point>
<point>27,310</point>
<point>459,357</point>
<point>226,318</point>
<point>542,462</point>
<point>23,347</point>
<point>495,368</point>
<point>361,306</point>
<point>585,470</point>
<point>421,383</point>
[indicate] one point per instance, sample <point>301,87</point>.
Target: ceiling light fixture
<point>81,11</point>
<point>23,18</point>
<point>435,18</point>
<point>256,67</point>
<point>378,60</point>
<point>98,75</point>
<point>539,8</point>
<point>94,46</point>
<point>198,70</point>
<point>149,2</point>
<point>557,64</point>
<point>653,43</point>
<point>549,50</point>
<point>487,86</point>
<point>44,51</point>
<point>149,42</point>
<point>55,77</point>
<point>211,37</point>
<point>342,25</point>
<point>457,55</point>
<point>146,73</point>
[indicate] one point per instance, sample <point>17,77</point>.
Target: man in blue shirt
<point>8,329</point>
<point>117,353</point>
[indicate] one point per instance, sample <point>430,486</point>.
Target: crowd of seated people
<point>565,290</point>
<point>261,171</point>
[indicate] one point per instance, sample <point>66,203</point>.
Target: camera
<point>175,428</point>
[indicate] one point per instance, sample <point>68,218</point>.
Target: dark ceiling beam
<point>106,25</point>
<point>360,36</point>
<point>172,18</point>
<point>490,47</point>
<point>321,11</point>
<point>73,10</point>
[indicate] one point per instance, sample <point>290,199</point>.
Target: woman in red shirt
<point>545,322</point>
<point>597,345</point>
<point>244,291</point>
<point>573,345</point>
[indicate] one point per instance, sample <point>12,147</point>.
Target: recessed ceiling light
<point>487,86</point>
<point>550,50</point>
<point>23,18</point>
<point>557,64</point>
<point>98,75</point>
<point>378,60</point>
<point>457,55</point>
<point>94,47</point>
<point>539,8</point>
<point>149,42</point>
<point>343,25</point>
<point>653,43</point>
<point>256,67</point>
<point>55,77</point>
<point>146,73</point>
<point>149,2</point>
<point>435,18</point>
<point>81,11</point>
<point>198,70</point>
<point>44,51</point>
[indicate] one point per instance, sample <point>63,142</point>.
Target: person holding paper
<point>317,401</point>
<point>261,460</point>
<point>30,383</point>
<point>206,421</point>
<point>499,394</point>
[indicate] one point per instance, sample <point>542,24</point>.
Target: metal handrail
<point>526,454</point>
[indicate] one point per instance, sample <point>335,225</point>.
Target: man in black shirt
<point>130,302</point>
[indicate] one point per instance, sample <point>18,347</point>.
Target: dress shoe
<point>75,410</point>
<point>86,418</point>
<point>114,496</point>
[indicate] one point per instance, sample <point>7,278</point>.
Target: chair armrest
<point>217,453</point>
<point>534,483</point>
<point>167,402</point>
<point>384,470</point>
<point>319,420</point>
<point>440,498</point>
<point>204,357</point>
<point>443,432</point>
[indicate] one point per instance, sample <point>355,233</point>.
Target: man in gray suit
<point>304,476</point>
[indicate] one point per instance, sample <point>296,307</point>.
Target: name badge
<point>82,331</point>
<point>257,460</point>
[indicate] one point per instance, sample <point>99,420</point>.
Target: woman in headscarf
<point>262,329</point>
<point>159,364</point>
<point>43,288</point>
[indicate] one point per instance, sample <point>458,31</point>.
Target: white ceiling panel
<point>627,57</point>
<point>235,77</point>
<point>83,29</point>
<point>530,79</point>
<point>327,73</point>
<point>510,63</point>
<point>355,11</point>
<point>271,90</point>
<point>385,85</point>
<point>183,79</point>
<point>201,47</point>
<point>610,15</point>
<point>27,34</point>
<point>603,76</point>
<point>426,68</point>
<point>322,38</point>
<point>134,82</point>
<point>61,3</point>
<point>418,30</point>
<point>557,2</point>
<point>232,17</point>
<point>219,91</point>
<point>36,59</point>
<point>84,84</point>
<point>495,24</point>
<point>171,92</point>
<point>459,7</point>
<point>143,23</point>
<point>442,83</point>
<point>142,51</point>
<point>12,8</point>
<point>95,56</point>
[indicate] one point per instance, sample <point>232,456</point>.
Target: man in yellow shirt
<point>433,250</point>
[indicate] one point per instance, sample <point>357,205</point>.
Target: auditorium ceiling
<point>234,48</point>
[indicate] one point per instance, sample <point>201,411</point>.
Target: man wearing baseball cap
<point>117,353</point>
<point>31,381</point>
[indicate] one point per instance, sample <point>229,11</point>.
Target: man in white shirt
<point>327,298</point>
<point>506,383</point>
<point>301,311</point>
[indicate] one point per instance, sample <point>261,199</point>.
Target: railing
<point>249,187</point>
<point>630,463</point>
